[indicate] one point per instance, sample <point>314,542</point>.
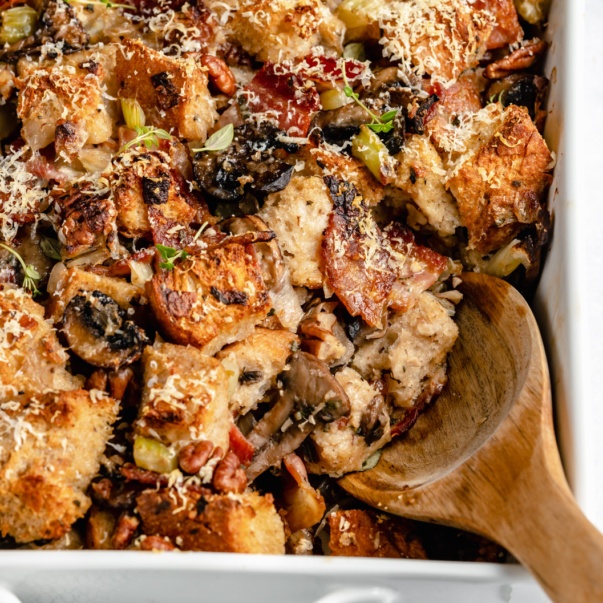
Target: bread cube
<point>50,449</point>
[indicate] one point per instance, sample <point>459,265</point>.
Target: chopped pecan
<point>229,476</point>
<point>124,530</point>
<point>519,59</point>
<point>194,456</point>
<point>220,74</point>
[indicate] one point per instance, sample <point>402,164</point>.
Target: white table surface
<point>592,173</point>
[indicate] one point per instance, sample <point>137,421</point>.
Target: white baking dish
<point>99,576</point>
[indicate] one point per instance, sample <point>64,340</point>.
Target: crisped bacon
<point>356,263</point>
<point>418,269</point>
<point>284,97</point>
<point>320,68</point>
<point>240,445</point>
<point>372,269</point>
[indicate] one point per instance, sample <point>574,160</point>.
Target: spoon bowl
<point>483,458</point>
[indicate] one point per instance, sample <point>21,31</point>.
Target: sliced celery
<point>17,24</point>
<point>154,456</point>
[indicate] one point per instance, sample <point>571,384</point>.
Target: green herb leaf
<point>51,248</point>
<point>169,255</point>
<point>219,140</point>
<point>378,128</point>
<point>30,274</point>
<point>106,3</point>
<point>147,135</point>
<point>349,92</point>
<point>389,116</point>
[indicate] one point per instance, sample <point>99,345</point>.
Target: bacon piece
<point>283,96</point>
<point>370,269</point>
<point>240,445</point>
<point>507,29</point>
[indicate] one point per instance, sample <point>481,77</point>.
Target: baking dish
<point>93,576</point>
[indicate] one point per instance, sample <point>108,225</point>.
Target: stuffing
<point>286,29</point>
<point>212,298</point>
<point>257,360</point>
<point>359,533</point>
<point>507,30</point>
<point>49,451</point>
<point>413,349</point>
<point>184,398</point>
<point>420,175</point>
<point>343,446</point>
<point>233,523</point>
<point>500,180</point>
<point>299,214</point>
<point>171,91</point>
<point>31,358</point>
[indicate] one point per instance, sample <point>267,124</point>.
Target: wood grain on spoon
<point>484,458</point>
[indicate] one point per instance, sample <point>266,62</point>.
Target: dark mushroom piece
<point>248,164</point>
<point>310,394</point>
<point>96,329</point>
<point>522,89</point>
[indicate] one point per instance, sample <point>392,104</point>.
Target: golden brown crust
<point>51,449</point>
<point>499,190</point>
<point>211,298</point>
<point>199,521</point>
<point>172,92</point>
<point>358,533</point>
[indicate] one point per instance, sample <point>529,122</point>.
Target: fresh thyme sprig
<point>147,135</point>
<point>379,123</point>
<point>30,274</point>
<point>170,255</point>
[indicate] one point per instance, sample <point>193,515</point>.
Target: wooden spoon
<point>483,458</point>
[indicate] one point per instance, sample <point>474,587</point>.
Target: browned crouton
<point>358,533</point>
<point>48,96</point>
<point>31,358</point>
<point>185,397</point>
<point>144,179</point>
<point>431,37</point>
<point>172,92</point>
<point>299,214</point>
<point>421,175</point>
<point>212,298</point>
<point>258,359</point>
<point>500,181</point>
<point>50,450</point>
<point>199,521</point>
<point>413,349</point>
<point>285,29</point>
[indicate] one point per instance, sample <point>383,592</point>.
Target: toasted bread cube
<point>413,349</point>
<point>506,30</point>
<point>359,533</point>
<point>50,451</point>
<point>421,175</point>
<point>68,282</point>
<point>212,298</point>
<point>431,37</point>
<point>342,448</point>
<point>299,214</point>
<point>143,179</point>
<point>31,358</point>
<point>185,397</point>
<point>285,29</point>
<point>171,91</point>
<point>200,521</point>
<point>50,96</point>
<point>259,358</point>
<point>499,183</point>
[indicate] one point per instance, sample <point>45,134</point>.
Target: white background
<point>592,173</point>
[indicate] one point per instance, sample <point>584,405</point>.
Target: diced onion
<point>18,23</point>
<point>133,113</point>
<point>140,273</point>
<point>359,13</point>
<point>232,370</point>
<point>154,456</point>
<point>333,99</point>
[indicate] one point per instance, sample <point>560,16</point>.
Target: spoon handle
<point>548,533</point>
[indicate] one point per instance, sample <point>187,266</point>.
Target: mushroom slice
<point>97,331</point>
<point>309,394</point>
<point>274,270</point>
